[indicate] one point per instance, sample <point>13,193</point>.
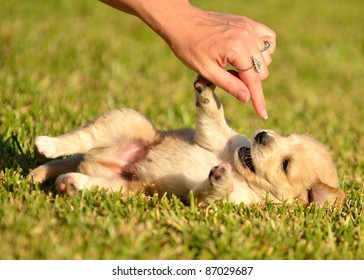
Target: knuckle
<point>273,35</point>
<point>237,40</point>
<point>236,45</point>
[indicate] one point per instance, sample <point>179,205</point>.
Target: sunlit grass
<point>64,62</point>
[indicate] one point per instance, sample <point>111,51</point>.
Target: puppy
<point>122,150</point>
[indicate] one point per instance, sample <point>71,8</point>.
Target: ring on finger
<point>256,65</point>
<point>266,46</point>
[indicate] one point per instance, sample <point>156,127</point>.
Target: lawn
<point>64,62</point>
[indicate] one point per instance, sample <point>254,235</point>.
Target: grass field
<point>64,62</point>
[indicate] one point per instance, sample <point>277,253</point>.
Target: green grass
<point>64,62</point>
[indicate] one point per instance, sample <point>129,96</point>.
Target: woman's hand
<point>208,42</point>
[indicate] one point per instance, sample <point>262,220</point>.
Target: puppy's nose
<point>261,137</point>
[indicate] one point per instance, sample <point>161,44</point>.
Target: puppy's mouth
<point>245,157</point>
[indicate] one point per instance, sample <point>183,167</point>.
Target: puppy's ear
<point>321,193</point>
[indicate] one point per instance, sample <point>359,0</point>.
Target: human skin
<point>209,42</point>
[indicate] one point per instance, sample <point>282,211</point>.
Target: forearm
<point>160,15</point>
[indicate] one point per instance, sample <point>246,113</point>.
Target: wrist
<point>165,17</point>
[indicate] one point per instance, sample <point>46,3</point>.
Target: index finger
<point>256,95</point>
<point>252,77</point>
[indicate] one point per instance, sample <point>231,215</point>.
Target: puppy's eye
<point>285,165</point>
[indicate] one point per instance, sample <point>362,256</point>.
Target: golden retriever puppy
<point>122,150</point>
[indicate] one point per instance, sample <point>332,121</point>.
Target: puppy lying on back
<point>123,150</point>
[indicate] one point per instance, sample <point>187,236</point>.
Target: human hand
<point>208,42</point>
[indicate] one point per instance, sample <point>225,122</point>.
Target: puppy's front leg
<point>212,131</point>
<point>218,185</point>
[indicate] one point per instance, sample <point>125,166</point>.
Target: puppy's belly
<point>176,167</point>
<point>132,153</point>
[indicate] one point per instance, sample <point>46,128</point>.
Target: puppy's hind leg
<point>73,182</point>
<point>55,168</point>
<point>114,126</point>
<point>212,131</point>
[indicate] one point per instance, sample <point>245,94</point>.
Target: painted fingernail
<point>265,114</point>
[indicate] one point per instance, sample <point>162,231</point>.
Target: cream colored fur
<point>121,150</point>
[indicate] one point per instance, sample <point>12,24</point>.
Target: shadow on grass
<point>13,157</point>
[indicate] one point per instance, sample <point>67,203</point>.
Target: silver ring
<point>266,46</point>
<point>257,65</point>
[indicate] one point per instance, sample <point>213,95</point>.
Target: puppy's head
<point>290,167</point>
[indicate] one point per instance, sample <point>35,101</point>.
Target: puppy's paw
<point>67,184</point>
<point>202,85</point>
<point>205,95</point>
<point>220,175</point>
<point>38,175</point>
<point>46,146</point>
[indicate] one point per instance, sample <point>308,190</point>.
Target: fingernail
<point>265,114</point>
